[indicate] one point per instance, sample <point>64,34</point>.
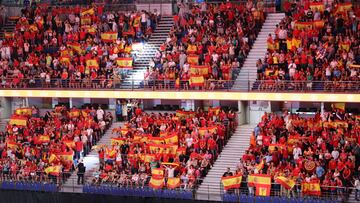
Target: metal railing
<point>183,85</point>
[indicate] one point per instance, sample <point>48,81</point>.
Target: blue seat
<point>230,198</point>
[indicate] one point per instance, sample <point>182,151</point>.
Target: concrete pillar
<point>257,109</point>
<point>242,112</point>
<point>5,107</point>
<point>188,105</point>
<point>322,108</point>
<point>112,103</point>
<point>55,101</point>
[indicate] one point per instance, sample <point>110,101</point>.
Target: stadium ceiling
<point>196,95</point>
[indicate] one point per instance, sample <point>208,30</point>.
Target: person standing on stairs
<point>80,172</point>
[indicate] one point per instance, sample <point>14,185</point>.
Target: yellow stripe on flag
<point>156,183</point>
<point>124,62</point>
<point>90,11</point>
<point>173,183</point>
<point>287,183</point>
<point>231,182</point>
<point>109,36</point>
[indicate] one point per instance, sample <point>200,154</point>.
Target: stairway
<point>135,77</point>
<point>9,26</point>
<point>249,71</point>
<point>91,162</point>
<point>229,157</point>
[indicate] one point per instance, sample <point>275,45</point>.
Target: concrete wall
<point>164,9</point>
<point>257,109</point>
<point>5,107</point>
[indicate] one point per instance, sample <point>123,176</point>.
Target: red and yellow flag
<point>199,70</point>
<point>89,29</point>
<point>69,143</point>
<point>43,139</point>
<point>214,110</point>
<point>339,106</point>
<point>319,24</point>
<point>18,120</point>
<point>147,157</point>
<point>53,170</point>
<point>67,156</point>
<point>171,139</point>
<point>157,173</point>
<point>212,129</point>
<point>64,59</point>
<point>273,146</point>
<point>287,183</point>
<point>11,144</point>
<point>263,189</point>
<point>156,183</point>
<point>53,158</point>
<point>136,22</point>
<point>197,81</point>
<point>173,183</point>
<point>9,35</point>
<point>312,188</point>
<point>317,5</point>
<point>23,111</point>
<point>156,140</point>
<point>92,63</point>
<point>124,62</point>
<point>262,183</point>
<point>191,49</point>
<point>193,59</point>
<point>231,182</point>
<point>344,7</point>
<point>74,113</point>
<point>76,47</point>
<point>117,141</point>
<point>261,165</point>
<point>85,20</point>
<point>109,36</point>
<point>303,25</point>
<point>154,147</point>
<point>90,11</point>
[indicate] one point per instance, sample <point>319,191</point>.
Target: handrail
<point>183,85</point>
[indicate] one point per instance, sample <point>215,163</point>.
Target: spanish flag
<point>109,36</point>
<point>262,183</point>
<point>124,131</point>
<point>128,49</point>
<point>85,20</point>
<point>345,46</point>
<point>170,148</point>
<point>53,158</point>
<point>191,49</point>
<point>11,144</point>
<point>199,70</point>
<point>147,158</point>
<point>173,183</point>
<point>43,139</point>
<point>89,29</point>
<point>231,182</point>
<point>312,188</point>
<point>140,138</point>
<point>110,153</point>
<point>9,35</point>
<point>193,59</point>
<point>53,170</point>
<point>84,113</point>
<point>18,120</point>
<point>154,147</point>
<point>74,113</point>
<point>76,47</point>
<point>157,173</point>
<point>171,139</point>
<point>170,164</point>
<point>272,147</point>
<point>92,63</point>
<point>344,7</point>
<point>67,156</point>
<point>156,140</point>
<point>340,106</point>
<point>23,111</point>
<point>319,24</point>
<point>202,131</point>
<point>89,11</point>
<point>64,59</point>
<point>70,144</point>
<point>136,22</point>
<point>124,62</point>
<point>287,183</point>
<point>33,28</point>
<point>197,81</point>
<point>180,150</point>
<point>117,141</point>
<point>261,165</point>
<point>212,129</point>
<point>163,134</point>
<point>317,5</point>
<point>303,25</point>
<point>214,110</point>
<point>64,52</point>
<point>156,183</point>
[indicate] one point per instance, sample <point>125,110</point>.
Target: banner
<point>64,59</point>
<point>191,49</point>
<point>287,183</point>
<point>109,36</point>
<point>339,106</point>
<point>231,182</point>
<point>157,173</point>
<point>69,143</point>
<point>74,113</point>
<point>158,148</point>
<point>278,146</point>
<point>303,25</point>
<point>53,158</point>
<point>67,156</point>
<point>147,158</point>
<point>42,139</point>
<point>11,145</point>
<point>262,183</point>
<point>89,11</point>
<point>92,63</point>
<point>89,29</point>
<point>117,141</point>
<point>173,183</point>
<point>312,188</point>
<point>319,24</point>
<point>9,35</point>
<point>156,183</point>
<point>23,111</point>
<point>124,62</point>
<point>193,59</point>
<point>214,110</point>
<point>184,114</point>
<point>199,70</point>
<point>53,170</point>
<point>263,190</point>
<point>197,81</point>
<point>136,22</point>
<point>156,140</point>
<point>344,7</point>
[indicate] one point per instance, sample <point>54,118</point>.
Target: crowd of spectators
<point>324,148</point>
<point>64,46</point>
<point>210,41</point>
<point>315,47</point>
<point>182,145</point>
<point>58,139</point>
